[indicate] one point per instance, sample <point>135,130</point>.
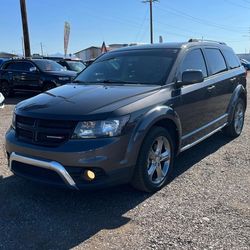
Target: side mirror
<point>191,77</point>
<point>33,69</point>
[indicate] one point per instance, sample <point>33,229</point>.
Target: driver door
<point>195,109</point>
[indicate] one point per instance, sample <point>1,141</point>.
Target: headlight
<point>95,129</point>
<point>13,123</point>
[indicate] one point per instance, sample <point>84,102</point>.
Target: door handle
<point>232,79</point>
<point>210,88</point>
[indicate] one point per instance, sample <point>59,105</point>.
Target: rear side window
<point>232,60</point>
<point>8,66</point>
<point>215,61</point>
<point>194,60</point>
<point>21,66</point>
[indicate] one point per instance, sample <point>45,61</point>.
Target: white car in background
<point>1,100</point>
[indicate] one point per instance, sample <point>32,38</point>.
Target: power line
<point>238,5</point>
<point>141,26</point>
<point>198,20</point>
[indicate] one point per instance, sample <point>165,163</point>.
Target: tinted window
<point>194,60</point>
<point>132,67</point>
<point>49,65</point>
<point>21,66</point>
<point>7,65</point>
<point>232,60</point>
<point>215,61</point>
<point>76,66</point>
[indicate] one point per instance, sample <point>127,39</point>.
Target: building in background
<point>7,55</point>
<point>88,53</point>
<point>93,51</point>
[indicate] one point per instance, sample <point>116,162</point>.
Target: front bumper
<point>64,165</point>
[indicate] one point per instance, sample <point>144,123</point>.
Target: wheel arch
<point>239,92</point>
<point>161,116</point>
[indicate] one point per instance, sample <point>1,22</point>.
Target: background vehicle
<point>75,65</point>
<point>69,63</point>
<point>2,60</point>
<point>32,75</point>
<point>128,115</point>
<point>245,63</point>
<point>1,100</point>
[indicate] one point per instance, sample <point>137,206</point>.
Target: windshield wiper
<point>118,81</point>
<point>107,81</point>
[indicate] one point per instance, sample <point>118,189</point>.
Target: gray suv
<point>128,115</point>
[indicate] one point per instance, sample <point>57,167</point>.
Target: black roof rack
<point>204,40</point>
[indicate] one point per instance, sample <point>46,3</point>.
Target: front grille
<point>43,132</point>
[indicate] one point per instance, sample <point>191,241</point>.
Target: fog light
<point>89,175</point>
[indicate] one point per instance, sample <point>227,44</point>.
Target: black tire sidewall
<point>240,101</point>
<point>143,156</point>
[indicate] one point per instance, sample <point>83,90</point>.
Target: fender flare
<point>238,92</point>
<point>146,122</point>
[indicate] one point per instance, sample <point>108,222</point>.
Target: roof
<point>177,45</point>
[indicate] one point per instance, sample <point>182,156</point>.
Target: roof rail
<point>204,40</point>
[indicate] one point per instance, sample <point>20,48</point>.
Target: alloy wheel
<point>239,118</point>
<point>159,160</point>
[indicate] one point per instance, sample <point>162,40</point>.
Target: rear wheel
<point>234,129</point>
<point>6,89</point>
<point>155,161</point>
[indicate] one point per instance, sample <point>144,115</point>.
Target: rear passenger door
<point>223,80</point>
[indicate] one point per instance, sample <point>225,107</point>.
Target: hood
<point>75,102</point>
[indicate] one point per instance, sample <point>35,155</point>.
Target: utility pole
<point>25,28</point>
<point>41,48</point>
<point>151,18</point>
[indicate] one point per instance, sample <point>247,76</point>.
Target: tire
<point>235,127</point>
<point>152,172</point>
<point>48,86</point>
<point>5,89</point>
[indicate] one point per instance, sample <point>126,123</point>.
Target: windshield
<point>131,67</point>
<point>76,66</point>
<point>48,65</point>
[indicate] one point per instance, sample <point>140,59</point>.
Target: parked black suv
<point>126,116</point>
<point>32,75</point>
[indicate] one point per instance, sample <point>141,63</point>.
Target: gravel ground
<point>206,205</point>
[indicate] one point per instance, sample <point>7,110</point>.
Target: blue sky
<point>123,21</point>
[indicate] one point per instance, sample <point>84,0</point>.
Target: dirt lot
<point>206,206</point>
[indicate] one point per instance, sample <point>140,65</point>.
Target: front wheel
<point>155,161</point>
<point>235,127</point>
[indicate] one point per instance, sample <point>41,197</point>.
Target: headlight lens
<point>13,123</point>
<point>95,129</point>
